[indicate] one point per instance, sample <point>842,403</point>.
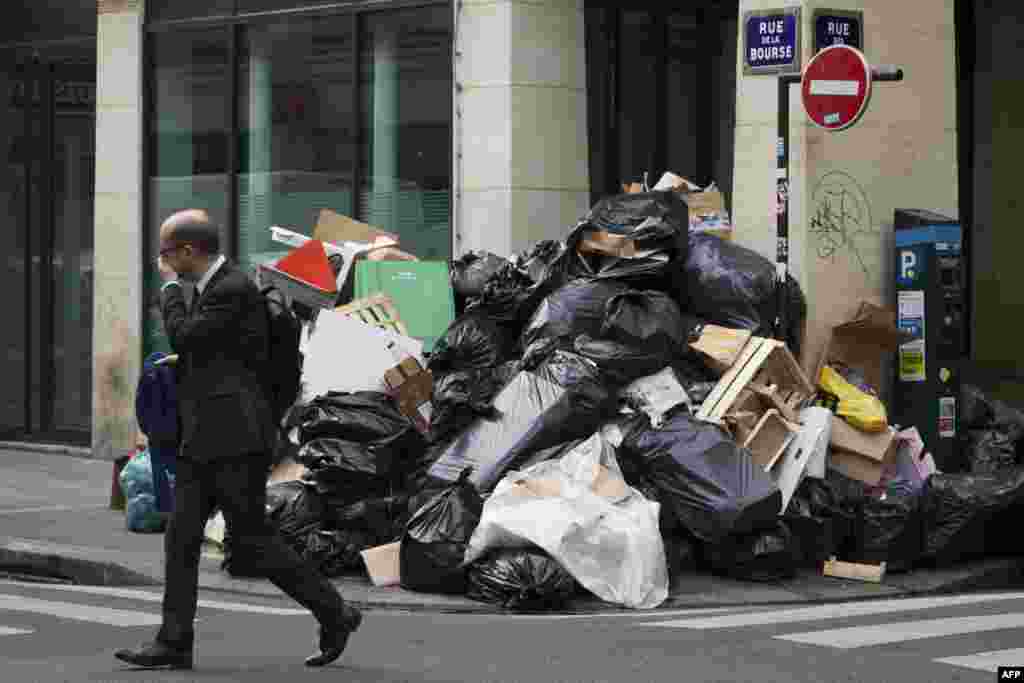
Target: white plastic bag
<point>608,541</point>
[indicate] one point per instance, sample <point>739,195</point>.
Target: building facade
<point>474,124</point>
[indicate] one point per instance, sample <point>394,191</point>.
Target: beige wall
<point>117,318</point>
<point>522,133</point>
<point>901,154</point>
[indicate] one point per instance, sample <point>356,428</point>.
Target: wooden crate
<point>377,310</point>
<point>767,368</point>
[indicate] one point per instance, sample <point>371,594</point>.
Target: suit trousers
<point>238,487</point>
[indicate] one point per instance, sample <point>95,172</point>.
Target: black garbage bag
<point>295,509</point>
<point>891,531</point>
<point>471,272</point>
<point>978,411</point>
<point>620,363</point>
<point>344,472</point>
<point>732,286</point>
<point>520,579</point>
<point>472,342</point>
<point>336,552</point>
<point>459,399</point>
<point>989,450</point>
<point>561,401</point>
<point>967,515</point>
<point>656,222</point>
<point>683,554</point>
<point>513,293</point>
<point>710,482</point>
<point>770,555</point>
<point>650,320</point>
<point>634,476</point>
<point>434,543</point>
<point>383,518</point>
<point>821,524</point>
<point>575,309</point>
<point>368,418</point>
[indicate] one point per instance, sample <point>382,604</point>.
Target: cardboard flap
<point>603,242</point>
<point>334,227</point>
<point>867,445</point>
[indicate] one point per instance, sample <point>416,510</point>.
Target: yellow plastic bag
<point>863,411</point>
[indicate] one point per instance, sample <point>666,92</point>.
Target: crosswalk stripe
<point>902,631</point>
<point>987,661</point>
<point>833,611</point>
<point>146,596</point>
<point>70,610</point>
<point>7,631</point>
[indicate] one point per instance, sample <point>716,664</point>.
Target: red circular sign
<point>836,87</point>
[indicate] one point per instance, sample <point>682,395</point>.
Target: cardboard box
<point>721,346</point>
<point>413,388</point>
<point>334,227</point>
<point>861,455</point>
<point>863,342</point>
<point>382,564</point>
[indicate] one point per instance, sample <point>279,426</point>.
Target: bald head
<point>192,226</point>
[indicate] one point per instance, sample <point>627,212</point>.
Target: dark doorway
<point>48,160</point>
<point>661,84</point>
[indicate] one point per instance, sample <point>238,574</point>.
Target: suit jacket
<point>223,349</point>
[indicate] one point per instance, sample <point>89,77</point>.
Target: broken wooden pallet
<point>377,310</point>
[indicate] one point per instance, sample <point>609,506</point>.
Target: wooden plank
<point>743,377</point>
<point>707,409</point>
<point>852,570</point>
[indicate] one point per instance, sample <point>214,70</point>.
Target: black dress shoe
<point>157,655</point>
<point>334,639</point>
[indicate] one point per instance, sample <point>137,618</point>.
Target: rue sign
<point>836,87</point>
<point>838,27</point>
<point>771,41</point>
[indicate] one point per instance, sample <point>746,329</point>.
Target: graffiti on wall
<point>841,222</point>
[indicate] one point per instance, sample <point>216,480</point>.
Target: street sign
<point>838,27</point>
<point>771,41</point>
<point>836,87</point>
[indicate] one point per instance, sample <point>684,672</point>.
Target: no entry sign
<point>836,87</point>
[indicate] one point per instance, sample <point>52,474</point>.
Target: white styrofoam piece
<point>343,354</point>
<point>815,435</point>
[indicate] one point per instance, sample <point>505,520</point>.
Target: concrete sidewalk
<point>55,519</point>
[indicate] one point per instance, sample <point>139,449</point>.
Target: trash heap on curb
<point>610,410</point>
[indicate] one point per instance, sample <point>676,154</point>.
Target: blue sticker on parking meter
<point>910,265</point>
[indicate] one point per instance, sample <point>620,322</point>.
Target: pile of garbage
<point>610,410</point>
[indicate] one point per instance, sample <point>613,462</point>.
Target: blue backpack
<point>156,402</point>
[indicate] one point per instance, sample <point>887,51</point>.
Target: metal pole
<point>782,198</point>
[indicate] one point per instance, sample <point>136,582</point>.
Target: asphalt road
<point>53,633</point>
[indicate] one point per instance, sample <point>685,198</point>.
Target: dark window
<point>165,10</point>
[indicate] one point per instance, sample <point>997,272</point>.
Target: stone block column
<point>520,153</point>
<point>117,328</point>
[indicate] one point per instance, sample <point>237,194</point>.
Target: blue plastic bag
<point>137,476</point>
<point>142,515</point>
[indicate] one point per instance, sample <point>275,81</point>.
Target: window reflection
<point>405,104</point>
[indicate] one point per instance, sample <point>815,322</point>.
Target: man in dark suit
<point>227,432</point>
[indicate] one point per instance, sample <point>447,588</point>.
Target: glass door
<point>47,157</point>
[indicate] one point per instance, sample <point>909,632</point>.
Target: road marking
<point>7,631</point>
<point>52,508</point>
<point>987,661</point>
<point>147,596</point>
<point>835,611</point>
<point>902,631</point>
<point>635,614</point>
<point>69,610</point>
